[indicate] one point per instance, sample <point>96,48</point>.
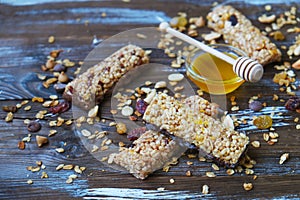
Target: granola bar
<point>238,31</point>
<point>89,88</point>
<point>150,152</point>
<point>210,135</point>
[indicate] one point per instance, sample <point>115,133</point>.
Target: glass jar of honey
<point>212,74</point>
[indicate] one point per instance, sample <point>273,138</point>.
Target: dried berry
<point>178,22</point>
<point>21,145</point>
<point>59,68</point>
<point>55,53</point>
<point>141,106</point>
<point>136,133</point>
<point>60,87</point>
<point>63,106</point>
<point>34,126</point>
<point>12,109</point>
<point>293,103</point>
<point>263,122</point>
<point>255,106</point>
<point>233,20</point>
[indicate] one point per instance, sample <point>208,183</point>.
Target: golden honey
<point>212,74</point>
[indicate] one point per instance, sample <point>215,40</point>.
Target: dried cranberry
<point>12,109</point>
<point>63,106</point>
<point>255,106</point>
<point>141,106</point>
<point>233,20</point>
<point>136,133</point>
<point>293,103</point>
<point>34,126</point>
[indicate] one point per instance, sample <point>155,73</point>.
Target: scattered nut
<point>51,39</point>
<point>205,189</point>
<point>266,19</point>
<point>60,150</point>
<point>59,167</point>
<point>296,65</point>
<point>247,186</point>
<point>9,117</point>
<point>63,77</point>
<point>175,77</point>
<point>255,144</point>
<point>68,167</point>
<point>160,84</point>
<point>211,36</point>
<point>93,112</point>
<point>86,133</point>
<point>127,111</point>
<point>41,140</point>
<point>210,174</point>
<point>121,128</point>
<point>283,158</point>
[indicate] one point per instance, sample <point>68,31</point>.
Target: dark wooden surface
<point>24,31</point>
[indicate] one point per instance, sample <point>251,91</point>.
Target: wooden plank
<point>24,48</point>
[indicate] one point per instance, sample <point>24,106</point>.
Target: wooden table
<point>24,48</point>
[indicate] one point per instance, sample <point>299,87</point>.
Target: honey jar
<point>211,74</point>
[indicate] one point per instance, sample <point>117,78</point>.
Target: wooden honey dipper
<point>246,68</point>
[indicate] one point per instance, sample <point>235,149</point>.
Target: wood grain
<point>24,48</point>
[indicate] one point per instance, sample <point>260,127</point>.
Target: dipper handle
<point>244,67</point>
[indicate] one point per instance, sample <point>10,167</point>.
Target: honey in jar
<point>212,74</point>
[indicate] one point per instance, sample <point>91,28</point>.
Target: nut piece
<point>255,144</point>
<point>127,111</point>
<point>93,112</point>
<point>175,77</point>
<point>266,19</point>
<point>247,186</point>
<point>41,140</point>
<point>160,84</point>
<point>296,65</point>
<point>283,158</point>
<point>205,189</point>
<point>9,117</point>
<point>121,128</point>
<point>51,39</point>
<point>211,36</point>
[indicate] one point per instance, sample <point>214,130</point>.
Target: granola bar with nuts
<point>150,152</point>
<point>239,32</point>
<point>224,145</point>
<point>89,88</point>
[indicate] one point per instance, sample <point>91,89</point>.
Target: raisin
<point>141,106</point>
<point>12,109</point>
<point>34,126</point>
<point>255,106</point>
<point>263,122</point>
<point>63,106</point>
<point>233,20</point>
<point>177,22</point>
<point>136,133</point>
<point>293,103</point>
